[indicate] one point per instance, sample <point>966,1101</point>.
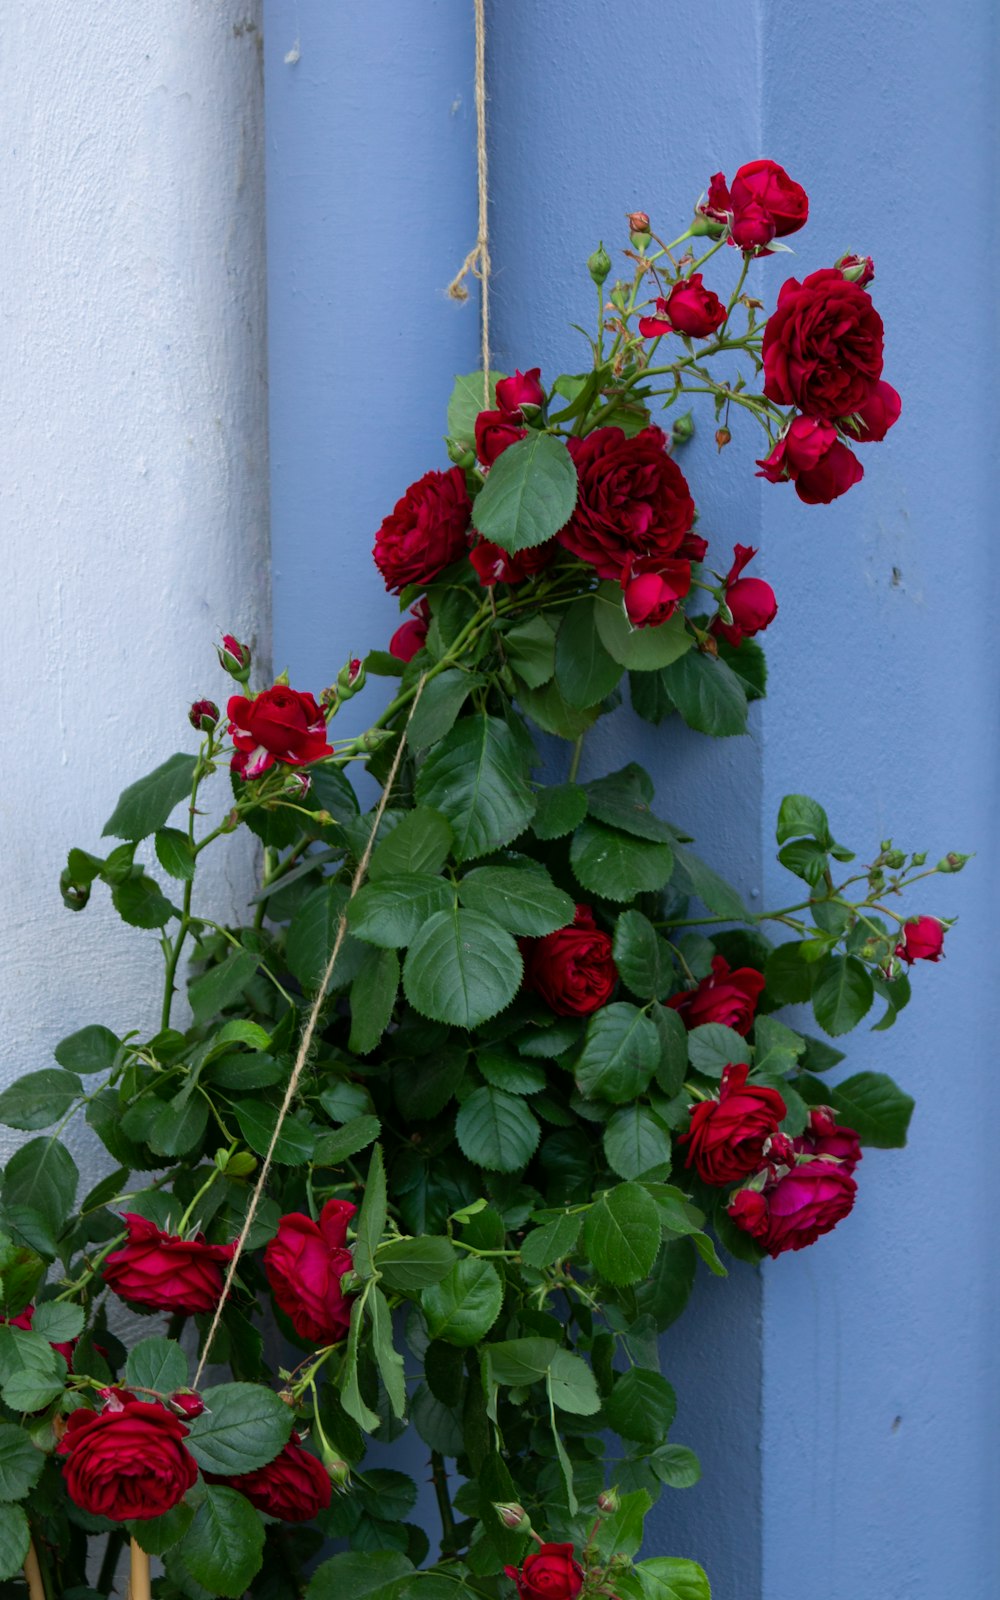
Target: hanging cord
<point>478,259</point>
<point>305,1043</point>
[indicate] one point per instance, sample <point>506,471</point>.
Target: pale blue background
<point>844,1401</point>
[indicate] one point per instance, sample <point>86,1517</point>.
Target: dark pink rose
<point>497,566</point>
<point>495,433</point>
<point>761,204</point>
<point>163,1272</point>
<point>810,455</point>
<point>412,635</point>
<point>632,500</point>
<point>878,414</point>
<point>653,588</point>
<point>725,996</point>
<point>826,1137</point>
<point>572,969</point>
<point>129,1462</point>
<point>923,940</point>
<point>795,1209</point>
<point>859,269</point>
<point>426,530</point>
<point>689,308</point>
<point>523,392</point>
<point>279,724</point>
<point>750,600</point>
<point>727,1136</point>
<point>305,1262</point>
<point>294,1487</point>
<point>822,347</point>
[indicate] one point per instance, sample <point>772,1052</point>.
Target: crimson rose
<point>689,308</point>
<point>923,940</point>
<point>425,531</point>
<point>727,1136</point>
<point>129,1462</point>
<point>412,635</point>
<point>825,1137</point>
<point>652,588</point>
<point>280,724</point>
<point>820,465</point>
<point>572,969</point>
<point>305,1262</point>
<point>726,997</point>
<point>632,500</point>
<point>763,203</point>
<point>294,1486</point>
<point>750,600</point>
<point>162,1272</point>
<point>794,1210</point>
<point>548,1573</point>
<point>520,393</point>
<point>822,347</point>
<point>495,433</point>
<point>878,414</point>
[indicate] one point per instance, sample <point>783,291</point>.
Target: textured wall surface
<point>133,462</point>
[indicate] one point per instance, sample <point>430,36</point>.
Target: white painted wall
<point>133,458</point>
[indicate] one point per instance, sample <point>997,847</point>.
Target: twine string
<point>478,259</point>
<point>305,1043</point>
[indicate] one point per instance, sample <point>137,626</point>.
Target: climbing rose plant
<point>553,1074</point>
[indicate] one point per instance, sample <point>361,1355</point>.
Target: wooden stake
<point>33,1575</point>
<point>139,1585</point>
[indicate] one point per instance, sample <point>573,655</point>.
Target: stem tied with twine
<point>478,259</point>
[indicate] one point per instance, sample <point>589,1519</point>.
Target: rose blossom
<point>549,1573</point>
<point>128,1463</point>
<point>763,203</point>
<point>425,531</point>
<point>879,413</point>
<point>162,1272</point>
<point>305,1262</point>
<point>294,1487</point>
<point>280,724</point>
<point>750,600</point>
<point>822,347</point>
<point>726,996</point>
<point>412,635</point>
<point>825,1137</point>
<point>572,969</point>
<point>811,456</point>
<point>790,1213</point>
<point>495,565</point>
<point>923,940</point>
<point>727,1136</point>
<point>689,308</point>
<point>632,500</point>
<point>495,433</point>
<point>521,392</point>
<point>652,588</point>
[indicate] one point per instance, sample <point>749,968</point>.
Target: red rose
<point>810,454</point>
<point>727,1136</point>
<point>689,308</point>
<point>128,1463</point>
<point>652,588</point>
<point>825,1137</point>
<point>572,969</point>
<point>294,1487</point>
<point>794,1210</point>
<point>305,1262</point>
<point>187,1404</point>
<point>24,1320</point>
<point>498,566</point>
<point>279,725</point>
<point>923,940</point>
<point>162,1272</point>
<point>762,204</point>
<point>859,269</point>
<point>495,433</point>
<point>204,715</point>
<point>412,636</point>
<point>548,1573</point>
<point>425,532</point>
<point>234,657</point>
<point>726,997</point>
<point>632,500</point>
<point>822,346</point>
<point>750,600</point>
<point>523,392</point>
<point>878,414</point>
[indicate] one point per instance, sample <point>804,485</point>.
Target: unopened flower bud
<point>351,678</point>
<point>512,1516</point>
<point>683,428</point>
<point>599,265</point>
<point>240,1164</point>
<point>608,1501</point>
<point>460,453</point>
<point>204,715</point>
<point>234,658</point>
<point>339,1471</point>
<point>187,1404</point>
<point>918,859</point>
<point>375,737</point>
<point>857,269</point>
<point>638,222</point>
<point>952,862</point>
<point>722,437</point>
<point>894,859</point>
<point>297,785</point>
<point>286,1397</point>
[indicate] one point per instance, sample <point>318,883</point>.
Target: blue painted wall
<point>882,700</point>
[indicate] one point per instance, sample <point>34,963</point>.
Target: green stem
<point>189,1213</point>
<point>574,765</point>
<point>109,1565</point>
<point>439,1478</point>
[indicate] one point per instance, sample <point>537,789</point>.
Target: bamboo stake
<point>139,1586</point>
<point>33,1574</point>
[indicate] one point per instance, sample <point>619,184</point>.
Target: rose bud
<point>512,1516</point>
<point>351,678</point>
<point>234,658</point>
<point>599,265</point>
<point>727,1136</point>
<point>638,222</point>
<point>495,565</point>
<point>204,715</point>
<point>952,862</point>
<point>750,601</point>
<point>495,433</point>
<point>412,635</point>
<point>878,414</point>
<point>523,392</point>
<point>857,269</point>
<point>652,589</point>
<point>753,227</point>
<point>726,996</point>
<point>572,969</point>
<point>297,785</point>
<point>722,438</point>
<point>827,1138</point>
<point>608,1501</point>
<point>922,940</point>
<point>797,1208</point>
<point>810,455</point>
<point>549,1573</point>
<point>187,1404</point>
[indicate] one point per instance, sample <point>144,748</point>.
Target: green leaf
<point>356,1135</point>
<point>585,672</point>
<point>636,1144</point>
<point>462,968</point>
<point>42,1176</point>
<point>15,1537</point>
<point>672,1578</point>
<point>140,902</point>
<point>463,1307</point>
<point>257,1121</point>
<point>641,1406</point>
<point>692,876</point>
<point>419,843</point>
<point>242,1427</point>
<point>387,1357</point>
<point>39,1099</point>
<point>221,985</point>
<point>672,1070</point>
<point>32,1374</point>
<point>156,1535</point>
<point>361,1575</point>
<point>529,494</point>
<point>519,1362</point>
<point>643,959</point>
<point>616,865</point>
<point>843,994</point>
<point>530,648</point>
<point>622,800</point>
<point>158,1364</point>
<point>410,1265</point>
<point>20,1464</point>
<point>373,996</point>
<point>776,1048</point>
<point>807,859</point>
<point>466,402</point>
<point>311,937</point>
<point>621,1234</point>
<point>391,912</point>
<point>790,977</point>
<point>708,694</point>
<point>639,649</point>
<point>572,1385</point>
<point>550,711</point>
<point>175,853</point>
<point>798,815</point>
<point>621,1532</point>
<point>713,1047</point>
<point>176,1125</point>
<point>523,900</point>
<point>552,1241</point>
<point>559,810</point>
<point>60,1323</point>
<point>372,1217</point>
<point>145,805</point>
<point>676,1466</point>
<point>89,1050</point>
<point>621,1051</point>
<point>442,699</point>
<point>749,663</point>
<point>348,1381</point>
<point>496,1130</point>
<point>224,1546</point>
<point>475,777</point>
<point>875,1107</point>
